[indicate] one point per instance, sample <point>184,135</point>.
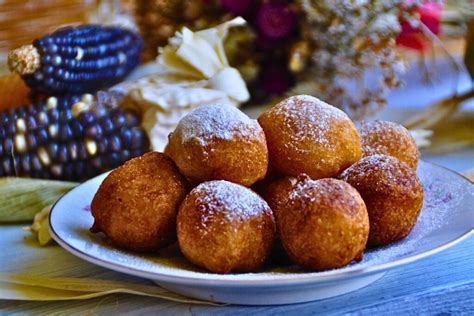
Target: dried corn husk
<point>40,288</point>
<point>40,227</point>
<point>437,112</point>
<point>22,198</point>
<point>421,137</point>
<point>163,107</point>
<point>454,134</point>
<point>469,51</point>
<point>191,71</point>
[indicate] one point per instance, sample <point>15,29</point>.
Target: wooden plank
<point>443,283</point>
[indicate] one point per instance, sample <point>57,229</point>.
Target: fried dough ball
<point>219,142</point>
<point>389,138</point>
<point>225,227</point>
<point>137,203</point>
<point>392,193</point>
<point>277,192</point>
<point>261,186</point>
<point>306,135</point>
<point>324,224</point>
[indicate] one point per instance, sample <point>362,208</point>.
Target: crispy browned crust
<point>276,194</point>
<point>136,205</point>
<point>234,150</point>
<point>389,138</point>
<point>210,238</point>
<point>294,148</point>
<point>324,225</point>
<point>392,193</point>
<point>261,185</point>
<point>242,160</point>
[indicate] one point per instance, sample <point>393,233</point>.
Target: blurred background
<point>385,59</point>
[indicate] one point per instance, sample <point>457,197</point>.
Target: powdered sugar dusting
<point>311,191</point>
<point>442,198</point>
<point>216,122</point>
<point>380,128</point>
<point>383,171</point>
<point>230,199</point>
<point>309,118</point>
<point>384,137</point>
<point>302,188</point>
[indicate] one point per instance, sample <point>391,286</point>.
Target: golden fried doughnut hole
<point>137,203</point>
<point>225,227</point>
<point>261,186</point>
<point>389,138</point>
<point>324,224</point>
<point>392,193</point>
<point>277,192</point>
<point>219,142</point>
<point>306,135</point>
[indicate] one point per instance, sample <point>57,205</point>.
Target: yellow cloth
<point>37,288</point>
<point>33,273</point>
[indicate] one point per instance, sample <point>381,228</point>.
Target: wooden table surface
<point>440,285</point>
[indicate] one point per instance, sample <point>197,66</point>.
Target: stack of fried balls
<point>231,189</point>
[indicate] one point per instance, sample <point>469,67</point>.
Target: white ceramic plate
<point>447,218</point>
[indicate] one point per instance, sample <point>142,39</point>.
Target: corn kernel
<point>91,146</point>
<point>44,156</point>
<point>53,130</point>
<point>87,98</point>
<point>51,103</point>
<point>79,107</point>
<point>80,54</point>
<point>21,125</point>
<point>20,143</point>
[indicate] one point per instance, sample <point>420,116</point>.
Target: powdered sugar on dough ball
<point>225,227</point>
<point>236,201</point>
<point>310,118</point>
<point>324,224</point>
<point>392,193</point>
<point>307,135</point>
<point>216,122</point>
<point>389,138</point>
<point>219,142</point>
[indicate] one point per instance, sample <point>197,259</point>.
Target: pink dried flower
<point>412,37</point>
<point>275,20</point>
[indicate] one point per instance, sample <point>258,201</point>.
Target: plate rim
<point>302,278</point>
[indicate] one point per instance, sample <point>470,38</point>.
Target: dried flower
<point>330,48</point>
<point>299,55</point>
<point>411,35</point>
<point>275,20</point>
<point>350,38</point>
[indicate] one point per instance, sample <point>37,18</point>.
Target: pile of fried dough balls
<point>325,189</point>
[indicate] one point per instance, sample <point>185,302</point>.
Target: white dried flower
<point>353,37</point>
